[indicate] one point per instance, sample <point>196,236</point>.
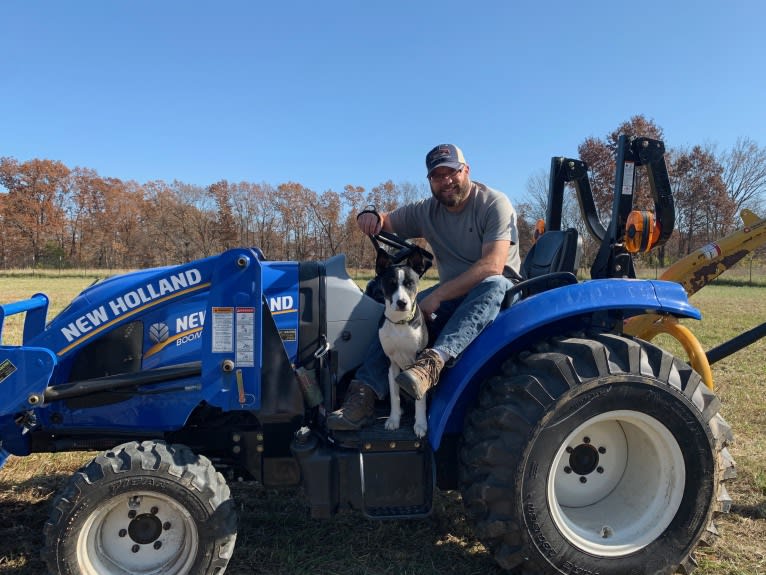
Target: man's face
<point>449,186</point>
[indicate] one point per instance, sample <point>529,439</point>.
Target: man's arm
<point>492,261</point>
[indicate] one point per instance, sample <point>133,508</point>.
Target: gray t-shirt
<point>457,238</point>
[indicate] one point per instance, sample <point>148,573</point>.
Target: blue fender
<point>456,389</point>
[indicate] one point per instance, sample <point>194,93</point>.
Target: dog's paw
<point>392,423</point>
<point>420,429</point>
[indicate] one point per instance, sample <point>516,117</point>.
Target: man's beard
<point>455,194</point>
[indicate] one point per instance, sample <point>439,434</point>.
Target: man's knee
<point>497,283</point>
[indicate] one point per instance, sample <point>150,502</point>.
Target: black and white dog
<point>402,332</point>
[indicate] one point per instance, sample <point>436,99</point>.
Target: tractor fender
<point>457,388</point>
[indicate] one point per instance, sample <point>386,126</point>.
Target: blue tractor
<point>577,448</point>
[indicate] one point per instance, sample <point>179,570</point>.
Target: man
<point>471,229</point>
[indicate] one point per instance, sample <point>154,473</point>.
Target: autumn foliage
<point>55,216</point>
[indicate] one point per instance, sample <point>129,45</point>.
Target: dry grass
<point>739,380</point>
<point>276,536</point>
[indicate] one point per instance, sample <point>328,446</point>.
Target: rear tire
<point>139,509</point>
<point>595,454</point>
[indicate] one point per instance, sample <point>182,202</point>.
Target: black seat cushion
<point>551,262</point>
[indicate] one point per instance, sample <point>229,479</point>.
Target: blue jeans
<point>457,324</point>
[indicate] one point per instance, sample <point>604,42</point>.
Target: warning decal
<point>245,348</point>
<point>6,369</point>
<point>223,330</point>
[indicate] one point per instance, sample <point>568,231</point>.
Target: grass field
<point>277,537</point>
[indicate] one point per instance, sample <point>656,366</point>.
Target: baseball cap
<point>444,155</point>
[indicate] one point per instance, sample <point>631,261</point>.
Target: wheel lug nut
<point>135,548</point>
<point>123,532</point>
<point>157,544</point>
<point>586,439</point>
<point>155,510</point>
<point>569,450</point>
<point>166,525</point>
<point>132,513</point>
<point>583,479</point>
<point>600,469</point>
<point>602,449</point>
<point>567,470</point>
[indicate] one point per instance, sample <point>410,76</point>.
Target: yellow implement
<point>701,267</point>
<point>694,272</point>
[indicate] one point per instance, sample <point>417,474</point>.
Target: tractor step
<point>396,469</point>
<point>397,484</point>
<point>377,438</point>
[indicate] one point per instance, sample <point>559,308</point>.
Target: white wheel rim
<point>138,533</point>
<point>616,483</point>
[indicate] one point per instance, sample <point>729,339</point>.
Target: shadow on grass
<point>277,536</point>
<point>755,511</point>
<point>24,508</point>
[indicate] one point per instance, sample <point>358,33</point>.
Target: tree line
<point>55,216</point>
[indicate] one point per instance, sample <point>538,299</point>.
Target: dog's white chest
<point>401,342</point>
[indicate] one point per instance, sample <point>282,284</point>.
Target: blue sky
<point>329,93</point>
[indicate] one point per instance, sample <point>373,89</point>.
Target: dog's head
<point>414,260</point>
<point>397,284</point>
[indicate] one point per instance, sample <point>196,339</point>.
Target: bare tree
<point>255,215</point>
<point>704,211</point>
<point>744,174</point>
<point>409,192</point>
<point>537,195</point>
<point>357,246</point>
<point>327,214</point>
<point>293,202</point>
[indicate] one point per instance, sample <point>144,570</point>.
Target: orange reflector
<point>641,231</point>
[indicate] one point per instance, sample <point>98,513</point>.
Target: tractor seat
<point>551,262</point>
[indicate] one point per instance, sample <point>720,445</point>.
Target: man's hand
<point>370,221</point>
<point>429,304</point>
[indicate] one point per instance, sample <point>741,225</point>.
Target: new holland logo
<point>158,332</point>
<point>153,292</point>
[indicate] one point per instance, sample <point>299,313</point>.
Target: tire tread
<point>188,469</point>
<point>511,403</point>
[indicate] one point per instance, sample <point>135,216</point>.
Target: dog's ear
<point>417,262</point>
<point>374,290</point>
<point>382,261</point>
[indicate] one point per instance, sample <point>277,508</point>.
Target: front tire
<point>595,454</point>
<point>142,508</point>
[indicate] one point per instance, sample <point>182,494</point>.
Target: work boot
<point>422,375</point>
<point>357,411</point>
